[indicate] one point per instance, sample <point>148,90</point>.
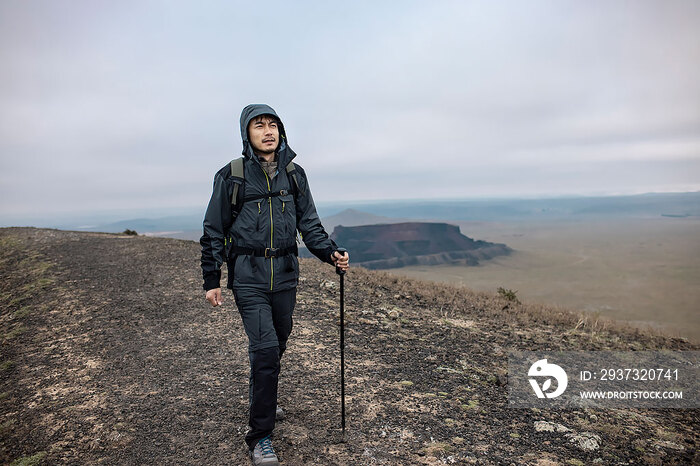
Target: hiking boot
<point>263,453</point>
<point>279,413</point>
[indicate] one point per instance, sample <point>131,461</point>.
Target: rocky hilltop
<point>387,246</point>
<point>110,355</point>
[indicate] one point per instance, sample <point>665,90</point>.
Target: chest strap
<point>238,172</point>
<point>281,192</point>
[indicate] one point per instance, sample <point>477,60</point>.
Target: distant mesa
<point>354,217</point>
<point>395,245</point>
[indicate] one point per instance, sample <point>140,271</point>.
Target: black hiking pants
<point>267,318</point>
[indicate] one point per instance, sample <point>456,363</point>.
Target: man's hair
<point>265,115</point>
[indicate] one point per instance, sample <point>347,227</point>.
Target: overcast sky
<point>120,104</point>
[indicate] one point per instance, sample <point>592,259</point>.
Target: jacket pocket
<point>288,212</point>
<point>247,220</point>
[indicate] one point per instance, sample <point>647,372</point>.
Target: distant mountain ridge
<point>650,205</point>
<point>672,206</point>
<point>385,246</point>
<point>354,217</point>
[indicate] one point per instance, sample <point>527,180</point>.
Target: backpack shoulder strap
<point>292,171</point>
<point>237,172</point>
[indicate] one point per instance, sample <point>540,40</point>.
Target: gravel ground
<point>110,355</point>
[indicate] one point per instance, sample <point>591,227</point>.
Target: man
<point>257,205</point>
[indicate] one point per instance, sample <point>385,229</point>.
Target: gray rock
<point>586,441</point>
<point>546,426</point>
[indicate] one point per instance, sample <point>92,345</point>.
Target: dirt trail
<point>110,355</point>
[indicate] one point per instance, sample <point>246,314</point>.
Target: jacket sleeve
<point>309,224</point>
<point>217,222</point>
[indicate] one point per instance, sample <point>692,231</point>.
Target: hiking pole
<point>341,272</point>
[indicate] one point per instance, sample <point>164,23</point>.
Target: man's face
<point>263,134</point>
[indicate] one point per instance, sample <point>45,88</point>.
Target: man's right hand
<point>214,297</point>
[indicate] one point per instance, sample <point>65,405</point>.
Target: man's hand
<point>341,261</point>
<point>214,297</point>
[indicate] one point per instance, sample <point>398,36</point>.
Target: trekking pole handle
<point>342,252</point>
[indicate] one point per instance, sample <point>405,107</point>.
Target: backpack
<point>238,174</point>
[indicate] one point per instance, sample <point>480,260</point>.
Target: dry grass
<point>452,301</point>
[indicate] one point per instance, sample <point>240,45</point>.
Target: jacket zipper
<point>272,229</point>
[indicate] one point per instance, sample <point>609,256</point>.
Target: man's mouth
<point>268,140</point>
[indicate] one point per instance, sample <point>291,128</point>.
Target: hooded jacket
<point>264,223</point>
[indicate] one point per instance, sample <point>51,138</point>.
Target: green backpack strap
<point>236,172</point>
<point>292,171</point>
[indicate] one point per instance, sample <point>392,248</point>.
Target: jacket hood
<point>285,154</point>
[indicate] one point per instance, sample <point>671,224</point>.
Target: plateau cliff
<point>387,246</point>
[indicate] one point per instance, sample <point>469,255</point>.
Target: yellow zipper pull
<point>258,206</point>
<point>282,206</point>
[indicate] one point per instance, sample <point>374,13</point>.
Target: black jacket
<point>264,223</point>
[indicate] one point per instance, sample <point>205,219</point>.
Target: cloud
<point>423,99</point>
